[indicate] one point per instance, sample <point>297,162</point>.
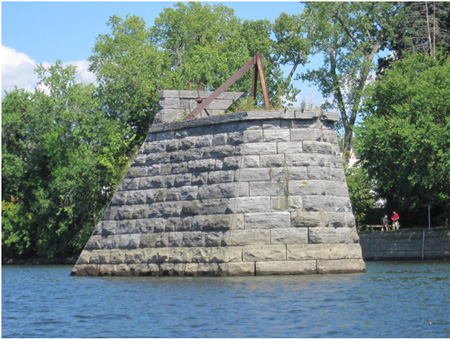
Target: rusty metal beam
<point>262,79</point>
<point>256,61</point>
<point>254,81</point>
<point>222,88</point>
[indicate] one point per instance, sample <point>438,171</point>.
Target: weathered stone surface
<point>318,187</point>
<point>85,257</point>
<point>226,190</point>
<point>191,208</point>
<point>252,136</point>
<point>194,239</point>
<point>305,160</point>
<point>284,203</point>
<point>150,240</point>
<point>288,174</point>
<point>259,148</point>
<point>136,256</point>
<point>272,123</point>
<point>323,251</point>
<point>247,237</point>
<point>340,266</point>
<point>214,238</point>
<point>208,269</point>
<point>302,218</point>
<point>216,206</point>
<point>292,147</point>
<point>117,257</point>
<point>281,203</point>
<point>173,255</point>
<point>224,254</point>
<point>248,193</point>
<point>223,222</point>
<point>264,188</point>
<point>264,253</point>
<point>220,177</point>
<point>237,269</point>
<point>276,135</point>
<point>317,147</point>
<point>326,204</point>
<point>272,160</point>
<point>332,235</point>
<point>269,220</point>
<point>250,204</point>
<point>253,174</point>
<point>326,173</point>
<point>191,269</point>
<point>289,236</point>
<point>286,267</point>
<point>300,134</point>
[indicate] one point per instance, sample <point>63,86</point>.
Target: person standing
<point>395,221</point>
<point>386,223</point>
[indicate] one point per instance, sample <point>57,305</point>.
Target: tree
<point>196,39</point>
<point>405,138</point>
<point>208,44</point>
<point>130,70</point>
<point>59,151</point>
<point>348,35</point>
<point>291,47</point>
<point>425,29</point>
<point>362,196</point>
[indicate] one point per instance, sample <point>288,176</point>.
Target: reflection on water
<point>393,299</point>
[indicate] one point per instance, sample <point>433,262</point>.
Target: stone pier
<point>248,193</point>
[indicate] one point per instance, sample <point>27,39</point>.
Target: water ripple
<point>393,299</point>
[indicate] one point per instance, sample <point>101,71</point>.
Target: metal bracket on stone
<point>256,61</point>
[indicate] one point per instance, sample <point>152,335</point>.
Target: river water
<point>392,299</point>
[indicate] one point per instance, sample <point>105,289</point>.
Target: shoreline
<point>369,239</point>
<point>39,261</point>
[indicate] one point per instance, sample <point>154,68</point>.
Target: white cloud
<point>83,74</point>
<point>18,70</point>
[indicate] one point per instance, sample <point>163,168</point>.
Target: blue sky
<point>43,32</point>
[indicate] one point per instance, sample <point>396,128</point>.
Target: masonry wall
<point>250,193</point>
<point>176,104</point>
<point>405,244</point>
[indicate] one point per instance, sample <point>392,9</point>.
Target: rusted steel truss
<point>258,70</point>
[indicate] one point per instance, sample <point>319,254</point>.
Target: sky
<point>35,32</point>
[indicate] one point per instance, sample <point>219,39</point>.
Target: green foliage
<point>244,105</point>
<point>348,35</point>
<point>58,152</point>
<point>15,236</point>
<point>426,30</point>
<point>205,45</point>
<point>362,194</point>
<point>405,138</point>
<point>130,70</point>
<point>291,48</point>
<point>196,39</point>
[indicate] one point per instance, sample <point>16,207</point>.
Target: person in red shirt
<point>395,218</point>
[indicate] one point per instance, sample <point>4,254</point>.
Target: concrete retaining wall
<point>405,244</point>
<point>250,193</point>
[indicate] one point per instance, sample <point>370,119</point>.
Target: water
<point>392,299</point>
